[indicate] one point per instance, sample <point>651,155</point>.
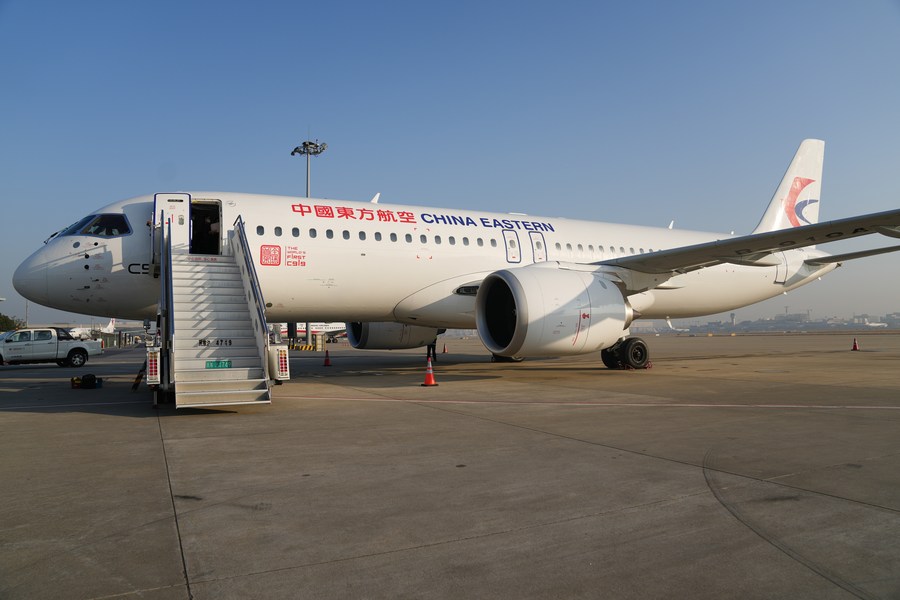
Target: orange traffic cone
<point>327,360</point>
<point>855,345</point>
<point>445,349</point>
<point>429,375</point>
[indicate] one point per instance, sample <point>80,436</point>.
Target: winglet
<point>796,201</point>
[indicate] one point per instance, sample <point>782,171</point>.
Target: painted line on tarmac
<point>33,406</point>
<point>599,404</point>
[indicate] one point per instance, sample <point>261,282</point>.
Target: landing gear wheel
<point>610,358</point>
<point>635,354</point>
<point>506,359</point>
<point>629,353</point>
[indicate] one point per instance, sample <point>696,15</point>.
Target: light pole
<point>309,149</point>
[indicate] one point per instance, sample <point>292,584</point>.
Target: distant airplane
<point>86,333</point>
<point>332,330</point>
<point>532,286</point>
<point>870,324</point>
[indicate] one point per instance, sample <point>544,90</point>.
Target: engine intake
<point>542,310</point>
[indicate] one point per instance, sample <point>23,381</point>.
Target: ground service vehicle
<point>48,344</point>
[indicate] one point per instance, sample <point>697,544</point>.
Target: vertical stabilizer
<point>796,201</point>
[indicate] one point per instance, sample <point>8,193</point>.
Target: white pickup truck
<point>48,344</point>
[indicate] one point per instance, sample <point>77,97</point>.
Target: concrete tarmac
<point>737,467</point>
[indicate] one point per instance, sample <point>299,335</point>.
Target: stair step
<point>200,399</point>
<point>212,316</point>
<point>200,301</point>
<point>213,331</point>
<point>234,385</point>
<point>216,353</point>
<point>192,285</point>
<point>232,374</point>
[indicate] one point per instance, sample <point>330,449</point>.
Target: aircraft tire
<point>507,359</point>
<point>610,358</point>
<point>634,353</point>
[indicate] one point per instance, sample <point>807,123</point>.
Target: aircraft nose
<point>30,279</point>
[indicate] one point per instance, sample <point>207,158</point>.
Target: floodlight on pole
<point>309,148</point>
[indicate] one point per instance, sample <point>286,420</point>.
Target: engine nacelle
<point>389,336</point>
<point>542,310</point>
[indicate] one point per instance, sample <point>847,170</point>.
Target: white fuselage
<point>329,260</point>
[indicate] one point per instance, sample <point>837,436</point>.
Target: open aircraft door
<point>174,209</point>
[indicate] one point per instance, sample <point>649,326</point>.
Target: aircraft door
<point>513,252</point>
<point>538,246</point>
<point>174,209</point>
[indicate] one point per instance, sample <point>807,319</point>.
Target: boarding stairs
<point>213,347</point>
<point>215,360</point>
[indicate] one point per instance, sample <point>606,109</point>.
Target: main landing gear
<point>627,353</point>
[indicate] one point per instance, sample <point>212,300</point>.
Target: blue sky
<point>633,112</point>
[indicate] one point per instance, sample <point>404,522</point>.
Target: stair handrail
<point>241,248</point>
<point>166,320</point>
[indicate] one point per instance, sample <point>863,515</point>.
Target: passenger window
<point>480,242</point>
<point>409,238</point>
<point>512,243</point>
<point>377,236</point>
<point>465,241</point>
<point>493,243</point>
<point>42,336</point>
<point>346,235</point>
<point>558,246</point>
<point>20,336</point>
<point>423,239</point>
<point>313,233</point>
<point>393,237</point>
<point>295,232</point>
<point>329,234</point>
<point>451,240</point>
<point>437,239</point>
<point>278,231</point>
<point>539,245</point>
<point>260,230</point>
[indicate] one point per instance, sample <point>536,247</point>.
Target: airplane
<point>875,324</point>
<point>85,333</point>
<point>331,330</point>
<point>397,275</point>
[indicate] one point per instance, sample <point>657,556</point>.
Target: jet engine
<point>389,336</point>
<point>542,310</point>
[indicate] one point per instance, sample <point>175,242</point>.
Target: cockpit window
<point>107,225</point>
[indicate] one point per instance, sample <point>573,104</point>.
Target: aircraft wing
<point>756,249</point>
